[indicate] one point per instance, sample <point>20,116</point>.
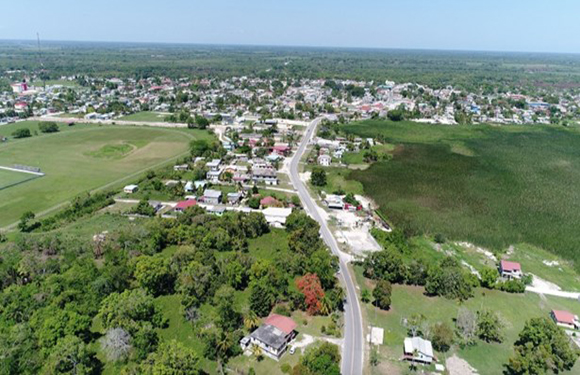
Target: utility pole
<point>40,61</point>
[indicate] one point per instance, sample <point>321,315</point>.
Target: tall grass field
<point>493,186</point>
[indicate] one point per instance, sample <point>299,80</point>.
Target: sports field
<point>85,158</point>
<point>145,116</point>
<point>494,186</point>
<point>10,178</point>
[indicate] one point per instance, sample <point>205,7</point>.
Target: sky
<point>480,25</point>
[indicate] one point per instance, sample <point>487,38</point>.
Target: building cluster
<point>237,99</point>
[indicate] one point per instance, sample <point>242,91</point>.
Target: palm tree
<point>325,305</point>
<point>251,320</point>
<point>257,352</point>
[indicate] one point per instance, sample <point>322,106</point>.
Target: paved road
<point>353,350</point>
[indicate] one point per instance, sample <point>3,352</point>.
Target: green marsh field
<point>493,186</point>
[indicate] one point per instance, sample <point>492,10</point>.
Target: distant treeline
<point>467,70</point>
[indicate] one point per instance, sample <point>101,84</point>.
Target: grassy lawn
<point>83,158</point>
<point>493,186</point>
<point>7,129</point>
<point>513,309</point>
<point>144,116</point>
<point>10,178</point>
<point>337,178</point>
<point>357,158</point>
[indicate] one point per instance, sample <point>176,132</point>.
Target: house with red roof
<point>510,270</point>
<point>273,336</point>
<point>565,319</point>
<point>184,205</point>
<point>269,202</point>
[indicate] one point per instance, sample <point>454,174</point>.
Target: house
<point>156,205</point>
<point>189,187</point>
<point>214,165</point>
<point>218,211</point>
<point>265,175</point>
<point>272,337</point>
<point>213,176</point>
<point>276,216</point>
<point>181,167</point>
<point>565,319</point>
<point>130,189</point>
<point>269,202</point>
<point>334,201</point>
<point>324,160</point>
<point>234,198</point>
<point>212,196</point>
<point>199,184</point>
<point>184,205</point>
<point>417,349</point>
<point>510,270</point>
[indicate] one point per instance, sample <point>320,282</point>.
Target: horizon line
<point>249,45</point>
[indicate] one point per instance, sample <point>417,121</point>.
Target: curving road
<point>353,349</point>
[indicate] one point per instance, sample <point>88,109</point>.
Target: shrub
<point>22,133</point>
<point>48,127</point>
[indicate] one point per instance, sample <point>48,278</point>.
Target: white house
<point>510,270</point>
<point>272,337</point>
<point>212,196</point>
<point>324,160</point>
<point>276,216</point>
<point>130,189</point>
<point>418,350</point>
<point>214,165</point>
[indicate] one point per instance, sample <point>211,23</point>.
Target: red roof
<point>185,204</point>
<point>563,317</point>
<point>283,323</point>
<point>268,201</point>
<point>506,265</point>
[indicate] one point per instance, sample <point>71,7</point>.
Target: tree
<point>395,115</point>
<point>144,208</point>
<point>228,319</point>
<point>201,122</point>
<point>489,327</point>
<point>541,347</point>
<point>128,310</point>
<point>199,147</point>
<point>321,360</point>
<point>116,344</point>
<point>489,277</point>
<point>172,358</point>
<point>386,264</point>
<point>26,223</point>
<point>251,320</point>
<point>154,275</point>
<point>254,202</point>
<point>71,356</point>
<point>22,133</point>
<point>365,296</point>
<point>466,324</point>
<point>382,294</point>
<point>309,285</point>
<point>48,127</point>
<point>318,177</point>
<point>261,298</point>
<point>448,279</point>
<point>442,337</point>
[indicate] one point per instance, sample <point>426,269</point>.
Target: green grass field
<point>10,178</point>
<point>83,158</point>
<point>144,116</point>
<point>488,359</point>
<point>493,186</point>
